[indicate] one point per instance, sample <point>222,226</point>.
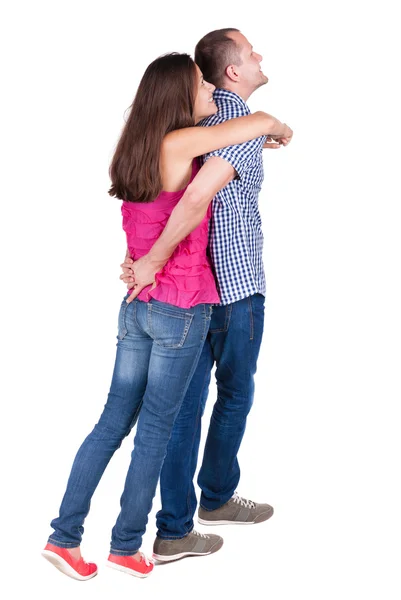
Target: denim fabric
<point>233,343</point>
<point>157,352</point>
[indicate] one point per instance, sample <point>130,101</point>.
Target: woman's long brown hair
<point>164,102</point>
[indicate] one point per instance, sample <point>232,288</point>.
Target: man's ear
<point>232,72</point>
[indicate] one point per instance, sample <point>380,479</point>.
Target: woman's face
<point>204,103</point>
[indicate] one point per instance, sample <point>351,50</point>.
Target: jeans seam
<point>192,443</point>
<point>208,318</point>
<point>57,543</point>
<point>167,313</point>
<point>135,315</point>
<point>173,311</point>
<point>251,318</point>
<point>172,538</point>
<point>122,322</point>
<point>196,360</point>
<point>134,418</point>
<point>228,317</point>
<point>123,552</point>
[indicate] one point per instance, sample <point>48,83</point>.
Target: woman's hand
<point>128,274</point>
<point>139,274</point>
<point>271,144</point>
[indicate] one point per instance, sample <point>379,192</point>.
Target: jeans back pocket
<point>168,325</point>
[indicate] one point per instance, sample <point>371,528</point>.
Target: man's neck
<point>244,94</point>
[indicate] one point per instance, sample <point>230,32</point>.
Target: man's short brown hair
<point>214,52</point>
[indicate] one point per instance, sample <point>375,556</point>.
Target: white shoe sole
<point>203,522</point>
<point>164,558</point>
<point>127,570</point>
<point>63,566</point>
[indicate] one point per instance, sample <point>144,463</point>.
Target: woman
<point>162,332</point>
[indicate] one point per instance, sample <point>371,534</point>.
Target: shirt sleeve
<point>238,156</point>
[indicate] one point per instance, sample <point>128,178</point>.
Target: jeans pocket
<point>168,327</point>
<point>220,318</point>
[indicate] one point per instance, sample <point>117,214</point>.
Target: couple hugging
<point>188,168</point>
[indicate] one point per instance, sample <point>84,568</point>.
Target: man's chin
<point>263,80</point>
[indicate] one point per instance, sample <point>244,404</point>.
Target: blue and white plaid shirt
<point>236,238</point>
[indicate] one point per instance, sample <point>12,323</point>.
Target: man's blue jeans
<point>157,352</point>
<point>233,343</point>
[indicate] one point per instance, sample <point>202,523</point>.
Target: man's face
<point>250,70</point>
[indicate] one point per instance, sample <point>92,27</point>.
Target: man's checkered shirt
<point>236,238</point>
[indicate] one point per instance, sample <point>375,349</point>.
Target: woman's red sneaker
<point>128,564</point>
<point>64,562</point>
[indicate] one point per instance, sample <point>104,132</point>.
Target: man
<point>227,60</point>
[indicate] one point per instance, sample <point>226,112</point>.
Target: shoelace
<point>148,561</point>
<point>201,535</point>
<point>243,501</point>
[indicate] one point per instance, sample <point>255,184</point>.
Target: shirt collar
<point>227,95</point>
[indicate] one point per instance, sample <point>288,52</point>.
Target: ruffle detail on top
<point>187,278</point>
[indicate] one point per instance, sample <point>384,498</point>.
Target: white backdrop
<point>322,443</point>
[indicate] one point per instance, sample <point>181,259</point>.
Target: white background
<point>322,443</point>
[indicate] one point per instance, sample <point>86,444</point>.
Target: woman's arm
<point>190,142</point>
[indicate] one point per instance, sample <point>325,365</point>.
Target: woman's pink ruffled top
<point>187,278</point>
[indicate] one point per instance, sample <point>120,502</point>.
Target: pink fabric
<point>187,278</point>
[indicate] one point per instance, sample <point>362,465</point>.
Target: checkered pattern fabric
<point>236,238</point>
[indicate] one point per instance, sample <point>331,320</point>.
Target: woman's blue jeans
<point>158,348</point>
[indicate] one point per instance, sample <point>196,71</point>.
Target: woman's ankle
<point>75,552</point>
<point>137,556</point>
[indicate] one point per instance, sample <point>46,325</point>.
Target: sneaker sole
<point>260,519</point>
<point>126,570</point>
<point>63,566</point>
<point>165,558</point>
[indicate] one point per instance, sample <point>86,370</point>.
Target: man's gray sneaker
<point>193,544</point>
<point>237,511</point>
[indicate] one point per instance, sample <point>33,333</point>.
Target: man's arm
<point>215,174</point>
